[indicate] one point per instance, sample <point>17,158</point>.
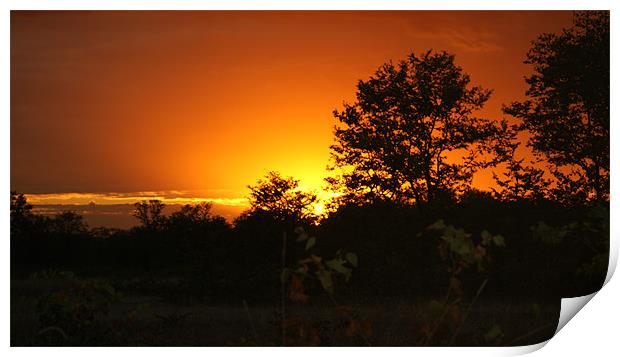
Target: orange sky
<point>205,103</point>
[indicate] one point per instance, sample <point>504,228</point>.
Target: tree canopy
<point>150,213</point>
<point>412,133</point>
<point>282,198</point>
<point>521,178</point>
<point>567,110</point>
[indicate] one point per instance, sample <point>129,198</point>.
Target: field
<point>150,320</point>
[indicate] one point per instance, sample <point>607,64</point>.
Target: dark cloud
<point>119,215</point>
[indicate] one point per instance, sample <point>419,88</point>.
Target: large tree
<point>412,133</point>
<point>567,110</point>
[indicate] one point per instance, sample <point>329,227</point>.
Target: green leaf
<point>316,259</point>
<point>460,234</point>
<point>302,270</point>
<point>547,234</point>
<point>337,265</point>
<point>325,278</point>
<point>438,226</point>
<point>302,237</point>
<point>310,243</point>
<point>285,275</point>
<point>499,241</point>
<point>461,246</point>
<point>536,310</point>
<point>486,237</point>
<point>493,333</point>
<point>435,307</point>
<point>352,258</point>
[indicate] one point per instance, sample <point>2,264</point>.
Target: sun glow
<point>228,107</point>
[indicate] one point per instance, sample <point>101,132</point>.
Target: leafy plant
<point>313,268</point>
<point>75,313</point>
<point>459,251</point>
<point>591,233</point>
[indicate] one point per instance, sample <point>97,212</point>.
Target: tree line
<point>404,155</point>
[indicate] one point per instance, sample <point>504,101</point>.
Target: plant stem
<point>283,289</point>
<point>458,330</point>
<point>247,310</point>
<point>333,300</point>
<point>428,338</point>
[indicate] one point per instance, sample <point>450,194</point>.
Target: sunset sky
<point>110,107</point>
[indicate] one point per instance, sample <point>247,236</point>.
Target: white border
<point>593,329</point>
<point>310,5</point>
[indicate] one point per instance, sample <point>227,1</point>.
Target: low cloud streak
<point>110,198</point>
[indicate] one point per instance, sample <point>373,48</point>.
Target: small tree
<point>411,135</point>
<point>149,213</point>
<point>567,112</point>
<point>21,213</point>
<point>68,223</point>
<point>193,214</point>
<point>520,179</point>
<point>290,206</point>
<point>282,198</point>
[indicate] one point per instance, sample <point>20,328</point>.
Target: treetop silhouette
<point>282,198</point>
<point>412,134</point>
<point>567,112</point>
<point>150,213</point>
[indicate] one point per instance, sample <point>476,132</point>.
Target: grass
<point>151,320</point>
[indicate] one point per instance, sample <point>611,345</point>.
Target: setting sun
<point>306,178</point>
<point>191,105</point>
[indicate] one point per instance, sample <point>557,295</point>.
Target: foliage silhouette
<point>73,315</point>
<point>459,252</point>
<point>149,213</point>
<point>68,223</point>
<point>520,179</point>
<point>403,134</point>
<point>21,211</point>
<point>567,113</point>
<point>289,207</point>
<point>282,199</point>
<point>306,274</point>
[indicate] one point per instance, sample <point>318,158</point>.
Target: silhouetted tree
<point>520,179</point>
<point>68,223</point>
<point>196,230</point>
<point>149,213</point>
<point>193,215</point>
<point>282,198</point>
<point>567,113</point>
<point>411,134</point>
<point>21,212</point>
<point>19,205</point>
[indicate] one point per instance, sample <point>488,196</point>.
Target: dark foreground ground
<point>133,319</point>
